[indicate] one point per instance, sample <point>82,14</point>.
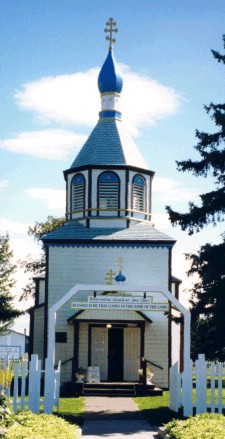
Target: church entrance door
<point>99,350</point>
<point>132,353</point>
<point>115,354</point>
<point>117,351</point>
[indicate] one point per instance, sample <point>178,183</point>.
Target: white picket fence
<point>199,388</point>
<point>34,373</point>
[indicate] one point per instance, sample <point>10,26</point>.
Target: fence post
<point>15,390</point>
<point>49,387</point>
<point>34,384</point>
<point>57,385</point>
<point>187,388</point>
<point>220,387</point>
<point>212,387</point>
<point>23,384</point>
<point>6,361</point>
<point>201,384</point>
<point>175,387</point>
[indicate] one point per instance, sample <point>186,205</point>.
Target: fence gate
<point>199,388</point>
<point>21,372</point>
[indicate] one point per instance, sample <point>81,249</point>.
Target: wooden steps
<point>118,389</point>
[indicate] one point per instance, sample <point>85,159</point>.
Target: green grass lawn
<point>155,409</point>
<point>72,410</point>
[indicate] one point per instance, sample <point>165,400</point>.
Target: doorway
<point>115,354</point>
<point>117,351</point>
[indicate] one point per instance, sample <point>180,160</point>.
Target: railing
<point>88,213</point>
<point>67,361</point>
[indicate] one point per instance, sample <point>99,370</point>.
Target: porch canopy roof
<point>75,316</point>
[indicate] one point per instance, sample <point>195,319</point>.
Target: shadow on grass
<point>160,416</point>
<point>72,410</point>
<point>72,418</point>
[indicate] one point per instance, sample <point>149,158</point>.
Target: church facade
<point>108,239</point>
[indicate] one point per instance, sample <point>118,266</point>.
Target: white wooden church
<point>110,246</point>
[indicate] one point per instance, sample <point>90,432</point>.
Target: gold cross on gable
<point>109,277</point>
<point>111,24</point>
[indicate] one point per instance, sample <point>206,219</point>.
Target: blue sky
<point>51,52</point>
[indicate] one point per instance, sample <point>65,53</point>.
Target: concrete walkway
<point>115,417</point>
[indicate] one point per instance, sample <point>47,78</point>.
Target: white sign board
<point>120,303</point>
<point>13,352</point>
<point>93,374</point>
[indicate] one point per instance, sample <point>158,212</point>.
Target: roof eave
<point>93,241</point>
<point>108,166</point>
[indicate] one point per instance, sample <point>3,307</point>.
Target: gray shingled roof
<point>109,144</point>
<point>74,231</point>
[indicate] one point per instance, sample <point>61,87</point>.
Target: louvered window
<point>108,191</point>
<point>78,192</point>
<point>138,193</point>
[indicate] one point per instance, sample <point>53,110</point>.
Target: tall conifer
<point>8,312</point>
<point>208,295</point>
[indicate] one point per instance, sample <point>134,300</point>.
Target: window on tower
<point>139,193</point>
<point>78,193</point>
<point>108,191</point>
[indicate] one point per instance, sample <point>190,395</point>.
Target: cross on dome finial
<point>112,28</point>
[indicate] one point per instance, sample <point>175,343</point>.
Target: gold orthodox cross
<point>112,28</point>
<point>120,261</point>
<point>109,277</point>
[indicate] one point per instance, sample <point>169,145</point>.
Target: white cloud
<point>71,99</point>
<point>168,189</point>
<point>24,245</point>
<point>145,101</point>
<point>4,183</point>
<point>50,144</point>
<point>55,198</point>
<point>161,220</point>
<point>9,226</point>
<point>74,99</point>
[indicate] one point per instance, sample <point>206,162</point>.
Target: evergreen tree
<point>208,301</point>
<point>211,148</point>
<point>36,266</point>
<point>208,296</point>
<point>7,310</point>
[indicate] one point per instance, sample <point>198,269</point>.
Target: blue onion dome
<point>120,277</point>
<point>110,79</point>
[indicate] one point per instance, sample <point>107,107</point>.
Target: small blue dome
<point>109,78</point>
<point>120,277</point>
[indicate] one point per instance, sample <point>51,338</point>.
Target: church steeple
<point>110,81</point>
<point>109,182</point>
